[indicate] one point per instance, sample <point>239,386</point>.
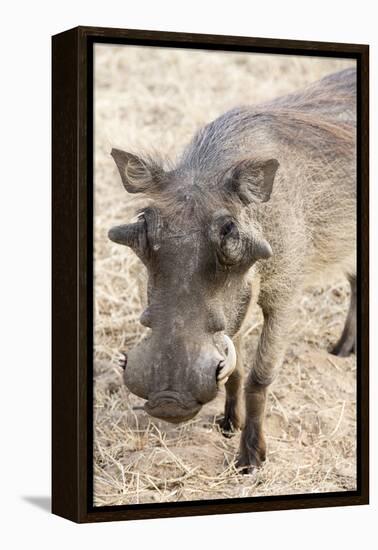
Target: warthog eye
<point>233,245</point>
<point>227,228</point>
<point>224,234</point>
<point>142,234</point>
<point>230,245</point>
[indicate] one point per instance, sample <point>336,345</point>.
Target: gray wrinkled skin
<point>260,203</point>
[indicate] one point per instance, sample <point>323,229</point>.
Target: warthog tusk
<point>230,361</point>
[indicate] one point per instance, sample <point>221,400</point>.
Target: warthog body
<point>260,203</point>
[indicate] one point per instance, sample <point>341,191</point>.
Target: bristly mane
<point>322,116</point>
<point>319,123</point>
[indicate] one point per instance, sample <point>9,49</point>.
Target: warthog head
<point>197,252</point>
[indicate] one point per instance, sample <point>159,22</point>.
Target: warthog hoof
<point>343,349</point>
<point>228,426</point>
<point>233,418</point>
<point>252,454</point>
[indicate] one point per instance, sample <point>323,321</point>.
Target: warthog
<point>260,202</point>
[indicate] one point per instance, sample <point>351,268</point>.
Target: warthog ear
<point>252,180</point>
<point>137,176</point>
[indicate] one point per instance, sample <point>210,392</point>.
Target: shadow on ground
<point>42,502</point>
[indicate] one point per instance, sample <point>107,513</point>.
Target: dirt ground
<point>150,99</point>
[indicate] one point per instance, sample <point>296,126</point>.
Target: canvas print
<point>224,275</point>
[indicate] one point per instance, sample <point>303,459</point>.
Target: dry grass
<point>150,99</point>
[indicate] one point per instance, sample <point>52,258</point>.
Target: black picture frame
<point>72,289</point>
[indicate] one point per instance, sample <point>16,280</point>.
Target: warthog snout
<point>179,379</point>
<point>172,406</point>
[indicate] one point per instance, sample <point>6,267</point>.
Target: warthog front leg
<point>347,342</point>
<point>234,408</point>
<point>268,359</point>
